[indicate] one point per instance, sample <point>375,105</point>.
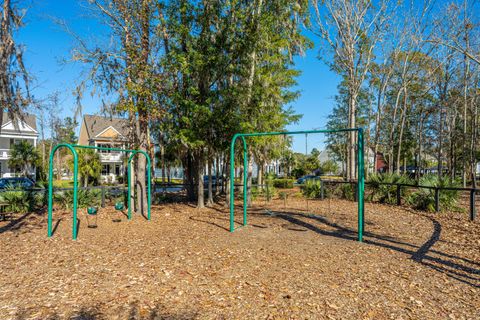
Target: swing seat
<point>92,210</point>
<point>119,206</point>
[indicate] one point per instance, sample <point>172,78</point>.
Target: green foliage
<point>298,172</point>
<point>346,191</point>
<point>312,188</point>
<point>18,201</point>
<point>86,198</point>
<point>283,183</point>
<point>424,199</point>
<point>269,191</point>
<point>23,155</point>
<point>89,165</point>
<point>329,167</point>
<point>305,164</point>
<point>382,192</point>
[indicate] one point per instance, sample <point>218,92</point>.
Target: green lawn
<point>62,183</point>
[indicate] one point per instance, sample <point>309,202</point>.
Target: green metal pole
<point>149,199</point>
<point>361,184</point>
<point>232,182</point>
<point>245,159</point>
<point>245,180</point>
<point>75,187</point>
<point>129,187</point>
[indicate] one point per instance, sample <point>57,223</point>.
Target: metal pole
<point>129,187</point>
<point>361,185</point>
<point>232,181</point>
<point>245,180</point>
<point>399,195</point>
<point>437,200</point>
<point>473,210</point>
<point>103,196</point>
<point>75,187</point>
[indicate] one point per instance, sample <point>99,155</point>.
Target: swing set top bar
<point>72,148</point>
<point>258,134</point>
<point>360,171</point>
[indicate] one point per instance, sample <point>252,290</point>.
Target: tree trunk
<point>188,176</point>
<point>351,168</point>
<point>200,190</point>
<point>249,181</point>
<point>260,176</point>
<point>402,125</point>
<point>217,175</point>
<point>142,164</point>
<point>210,184</point>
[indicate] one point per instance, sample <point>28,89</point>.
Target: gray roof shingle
<point>29,119</point>
<point>96,124</point>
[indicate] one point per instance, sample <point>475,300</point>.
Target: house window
<point>104,146</point>
<point>117,169</point>
<point>105,170</point>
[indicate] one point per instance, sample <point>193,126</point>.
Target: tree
<point>23,155</point>
<point>127,69</point>
<point>14,78</point>
<point>351,31</point>
<point>328,167</point>
<point>89,165</point>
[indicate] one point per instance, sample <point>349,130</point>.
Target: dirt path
<point>288,264</point>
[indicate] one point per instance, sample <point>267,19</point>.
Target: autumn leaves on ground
<point>286,264</point>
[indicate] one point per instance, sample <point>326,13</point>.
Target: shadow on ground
<point>132,312</point>
<point>456,267</point>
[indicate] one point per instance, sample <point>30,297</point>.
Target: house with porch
<point>13,131</point>
<point>109,132</point>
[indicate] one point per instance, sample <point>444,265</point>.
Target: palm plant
<point>424,199</point>
<point>383,187</point>
<point>89,165</point>
<point>23,155</point>
<point>18,201</point>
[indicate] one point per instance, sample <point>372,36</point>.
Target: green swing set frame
<point>72,148</point>
<point>242,136</point>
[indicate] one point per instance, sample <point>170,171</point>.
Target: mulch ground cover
<point>287,263</point>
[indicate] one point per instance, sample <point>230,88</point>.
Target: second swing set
<point>75,181</point>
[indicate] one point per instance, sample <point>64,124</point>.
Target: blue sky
<point>47,45</point>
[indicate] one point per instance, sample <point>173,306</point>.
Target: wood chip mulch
<point>288,263</point>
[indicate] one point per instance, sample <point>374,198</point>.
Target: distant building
<point>12,132</point>
<point>106,132</point>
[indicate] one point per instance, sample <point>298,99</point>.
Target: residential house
<point>106,132</point>
<point>14,131</point>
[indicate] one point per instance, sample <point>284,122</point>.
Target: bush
<point>312,188</point>
<point>283,183</point>
<point>18,201</point>
<point>385,193</point>
<point>86,198</point>
<point>424,199</point>
<point>346,191</point>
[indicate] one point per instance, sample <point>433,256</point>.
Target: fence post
<point>355,191</point>
<point>399,195</point>
<point>473,212</point>
<point>103,196</point>
<point>437,200</point>
<point>322,190</point>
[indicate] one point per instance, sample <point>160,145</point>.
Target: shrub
<point>385,193</point>
<point>346,191</point>
<point>424,199</point>
<point>18,201</point>
<point>86,198</point>
<point>312,188</point>
<point>283,183</point>
<point>269,190</point>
